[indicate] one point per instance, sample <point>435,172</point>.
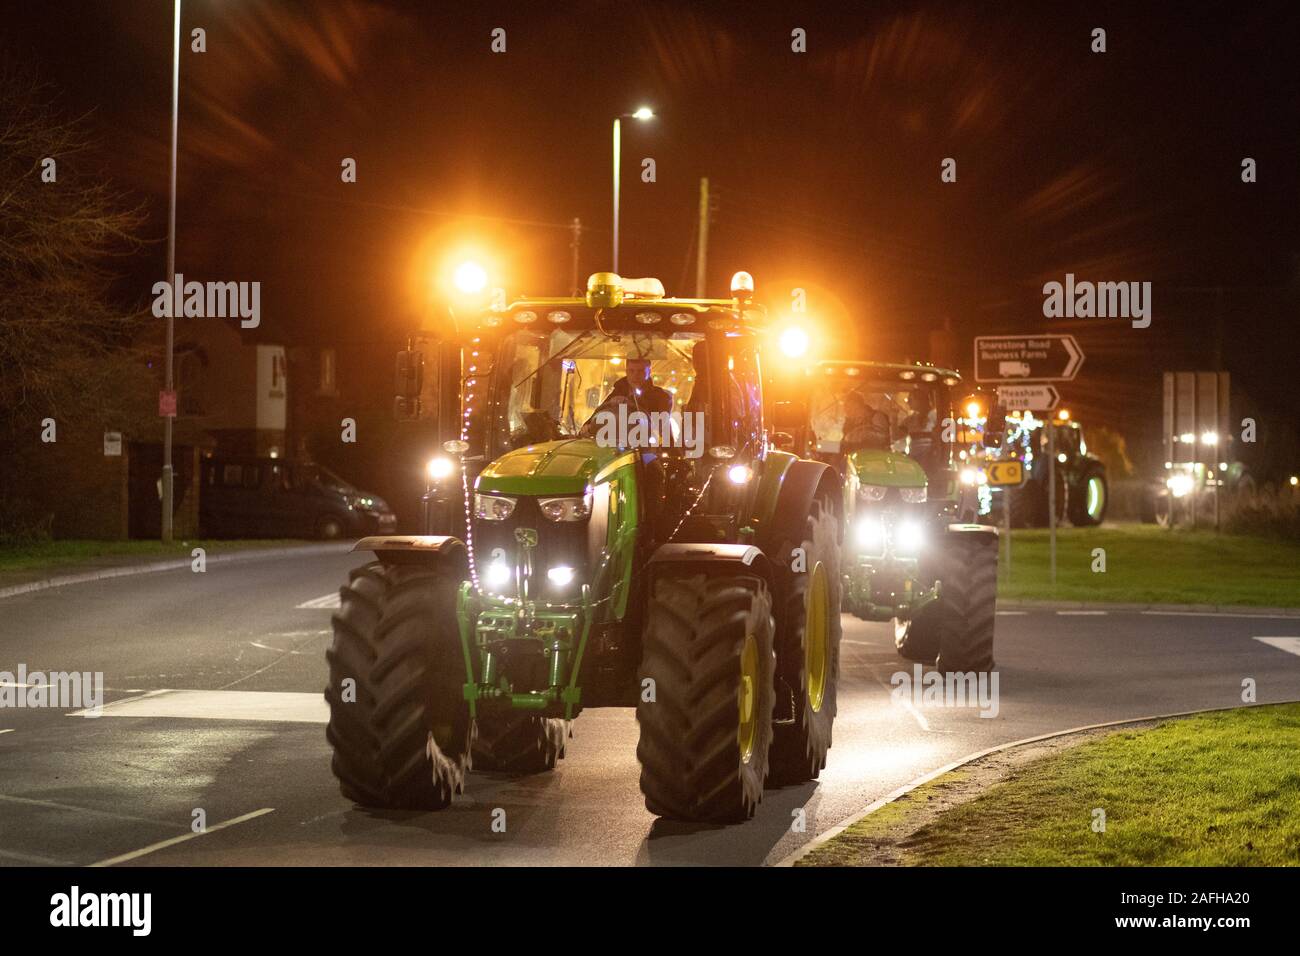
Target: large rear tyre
<point>517,742</point>
<point>966,609</point>
<point>1089,497</point>
<point>706,720</point>
<point>399,724</point>
<point>808,630</point>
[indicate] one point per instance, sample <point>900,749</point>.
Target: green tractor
<point>625,535</point>
<point>912,552</point>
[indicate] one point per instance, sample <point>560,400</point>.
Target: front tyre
<point>1088,498</point>
<point>808,653</point>
<point>966,609</point>
<point>706,718</point>
<point>517,742</point>
<point>399,724</point>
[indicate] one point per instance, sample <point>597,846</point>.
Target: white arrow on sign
<point>1032,398</point>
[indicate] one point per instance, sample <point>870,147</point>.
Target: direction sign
<point>1002,474</point>
<point>1026,358</point>
<point>1032,398</point>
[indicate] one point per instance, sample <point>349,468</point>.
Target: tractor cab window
<point>549,384</point>
<point>855,413</point>
<point>742,421</point>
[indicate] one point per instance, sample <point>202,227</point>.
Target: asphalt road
<point>237,730</point>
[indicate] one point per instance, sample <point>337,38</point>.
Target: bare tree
<point>66,351</point>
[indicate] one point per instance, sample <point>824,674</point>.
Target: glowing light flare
<point>470,278</point>
<point>794,342</point>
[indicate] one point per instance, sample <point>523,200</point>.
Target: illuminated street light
<point>643,113</point>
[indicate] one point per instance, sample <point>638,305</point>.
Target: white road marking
<point>1269,617</point>
<point>1082,613</point>
<point>30,859</point>
<point>7,730</point>
<point>1289,644</point>
<point>326,601</point>
<point>1012,613</point>
<point>268,647</point>
<point>52,805</point>
<point>163,844</point>
<point>292,708</point>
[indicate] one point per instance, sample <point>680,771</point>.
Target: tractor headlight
<point>493,507</point>
<point>913,496</point>
<point>577,508</point>
<point>440,468</point>
<point>561,575</point>
<point>870,536</point>
<point>872,492</point>
<point>908,538</point>
<point>1180,484</point>
<point>498,574</point>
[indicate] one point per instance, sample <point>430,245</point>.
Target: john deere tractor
<point>610,526</point>
<point>912,552</point>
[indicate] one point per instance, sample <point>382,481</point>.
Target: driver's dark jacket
<point>651,398</point>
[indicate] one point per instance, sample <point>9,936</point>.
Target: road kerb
<point>177,564</point>
<point>1244,610</point>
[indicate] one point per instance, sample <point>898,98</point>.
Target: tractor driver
<point>864,426</point>
<point>637,388</point>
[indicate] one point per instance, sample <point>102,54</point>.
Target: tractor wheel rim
<point>1096,497</point>
<point>747,731</point>
<point>816,639</point>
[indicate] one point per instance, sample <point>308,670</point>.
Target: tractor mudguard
<point>713,558</point>
<point>430,549</point>
<point>802,483</point>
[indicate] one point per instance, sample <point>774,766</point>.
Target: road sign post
<point>1034,360</point>
<point>1051,503</point>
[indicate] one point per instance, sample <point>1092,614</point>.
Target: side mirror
<point>410,383</point>
<point>783,441</point>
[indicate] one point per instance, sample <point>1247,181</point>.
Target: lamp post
<point>644,113</point>
<point>167,473</point>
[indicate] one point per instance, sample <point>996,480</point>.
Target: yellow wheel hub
<point>747,692</point>
<point>817,636</point>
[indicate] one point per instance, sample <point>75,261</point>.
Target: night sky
<point>1116,166</point>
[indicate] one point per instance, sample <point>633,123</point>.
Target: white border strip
<point>162,845</point>
<point>907,788</point>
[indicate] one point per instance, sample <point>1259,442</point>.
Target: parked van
<point>244,497</point>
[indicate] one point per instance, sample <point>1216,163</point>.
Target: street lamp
<point>171,279</point>
<point>643,113</point>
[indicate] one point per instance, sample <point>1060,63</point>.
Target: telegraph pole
<point>702,253</point>
<point>167,474</point>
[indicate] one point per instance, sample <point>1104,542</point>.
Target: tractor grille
<point>558,542</point>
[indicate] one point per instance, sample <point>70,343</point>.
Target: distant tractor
<point>1082,492</point>
<point>913,553</point>
<point>689,569</point>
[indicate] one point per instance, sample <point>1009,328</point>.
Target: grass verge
<point>1219,789</point>
<point>1146,564</point>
